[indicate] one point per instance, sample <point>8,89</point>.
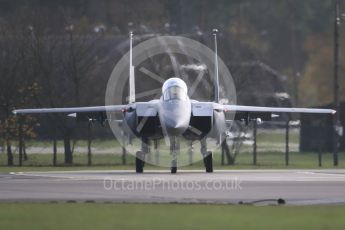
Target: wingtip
<point>14,112</point>
<point>334,111</point>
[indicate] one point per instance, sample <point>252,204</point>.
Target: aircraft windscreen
<point>173,93</point>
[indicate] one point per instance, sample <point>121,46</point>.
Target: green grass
<point>110,143</point>
<point>168,216</point>
<point>270,160</point>
<point>276,137</point>
<point>97,143</point>
<point>78,159</point>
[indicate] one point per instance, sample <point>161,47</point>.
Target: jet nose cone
<point>175,116</point>
<point>175,126</point>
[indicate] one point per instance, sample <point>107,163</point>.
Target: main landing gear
<point>174,151</point>
<point>207,155</point>
<point>140,156</point>
<point>139,163</point>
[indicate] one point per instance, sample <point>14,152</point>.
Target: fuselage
<point>174,107</point>
<point>173,115</point>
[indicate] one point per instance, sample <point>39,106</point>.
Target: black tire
<point>173,170</point>
<point>208,162</point>
<point>139,163</point>
<point>173,167</point>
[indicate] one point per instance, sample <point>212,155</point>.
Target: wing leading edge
<point>108,108</point>
<point>242,108</point>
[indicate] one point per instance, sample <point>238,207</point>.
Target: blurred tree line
<point>51,54</point>
<point>281,33</point>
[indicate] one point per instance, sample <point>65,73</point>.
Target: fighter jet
<point>174,115</point>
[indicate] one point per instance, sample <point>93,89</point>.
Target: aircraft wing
<point>258,109</point>
<point>206,109</point>
<point>247,113</point>
<point>98,113</point>
<point>91,109</point>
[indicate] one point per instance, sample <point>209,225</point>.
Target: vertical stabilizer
<point>216,82</point>
<point>131,70</point>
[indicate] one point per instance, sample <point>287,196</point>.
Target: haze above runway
<point>296,187</point>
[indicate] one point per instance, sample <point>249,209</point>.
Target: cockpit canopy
<point>174,89</point>
<point>174,92</point>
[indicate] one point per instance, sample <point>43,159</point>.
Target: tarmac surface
<point>295,187</point>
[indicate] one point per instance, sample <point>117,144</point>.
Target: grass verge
<point>269,160</point>
<point>168,216</point>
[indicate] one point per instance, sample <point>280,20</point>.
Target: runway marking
<point>323,173</point>
<point>194,175</point>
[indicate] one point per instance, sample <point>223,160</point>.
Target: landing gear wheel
<point>139,163</point>
<point>208,162</point>
<point>173,170</point>
<point>173,166</point>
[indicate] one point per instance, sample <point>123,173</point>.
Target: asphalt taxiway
<point>296,187</point>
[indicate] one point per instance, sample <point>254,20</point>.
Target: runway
<point>296,187</point>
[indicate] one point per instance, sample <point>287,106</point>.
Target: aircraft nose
<point>175,116</point>
<point>175,125</point>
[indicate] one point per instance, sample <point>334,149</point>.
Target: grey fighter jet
<point>174,115</point>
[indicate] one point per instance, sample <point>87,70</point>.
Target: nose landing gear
<point>174,150</point>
